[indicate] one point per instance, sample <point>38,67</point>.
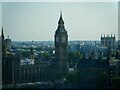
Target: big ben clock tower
<point>61,53</point>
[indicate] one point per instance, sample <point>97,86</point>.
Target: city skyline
<point>38,21</point>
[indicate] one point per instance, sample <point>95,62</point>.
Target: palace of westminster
<point>15,73</point>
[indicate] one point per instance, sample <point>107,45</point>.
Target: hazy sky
<point>119,21</point>
<point>38,21</point>
<point>0,15</point>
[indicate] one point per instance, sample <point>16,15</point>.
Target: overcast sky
<point>38,21</point>
<point>119,21</point>
<point>0,15</point>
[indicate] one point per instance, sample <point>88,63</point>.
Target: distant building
<point>109,42</point>
<point>115,67</point>
<point>26,61</point>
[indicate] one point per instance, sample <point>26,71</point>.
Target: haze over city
<point>78,43</point>
<point>38,21</point>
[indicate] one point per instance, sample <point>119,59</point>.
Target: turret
<point>8,44</point>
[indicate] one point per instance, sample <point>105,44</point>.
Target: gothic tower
<point>3,58</point>
<point>3,44</point>
<point>10,63</point>
<point>61,53</point>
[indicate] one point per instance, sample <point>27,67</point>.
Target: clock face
<point>63,39</point>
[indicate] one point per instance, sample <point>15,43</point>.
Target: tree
<point>116,83</point>
<point>25,54</point>
<point>73,78</point>
<point>73,58</point>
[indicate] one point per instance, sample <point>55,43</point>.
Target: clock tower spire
<point>3,44</point>
<point>61,22</point>
<point>61,53</point>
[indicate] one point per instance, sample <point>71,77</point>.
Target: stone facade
<point>61,49</point>
<point>15,73</point>
<point>109,42</point>
<point>91,71</point>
